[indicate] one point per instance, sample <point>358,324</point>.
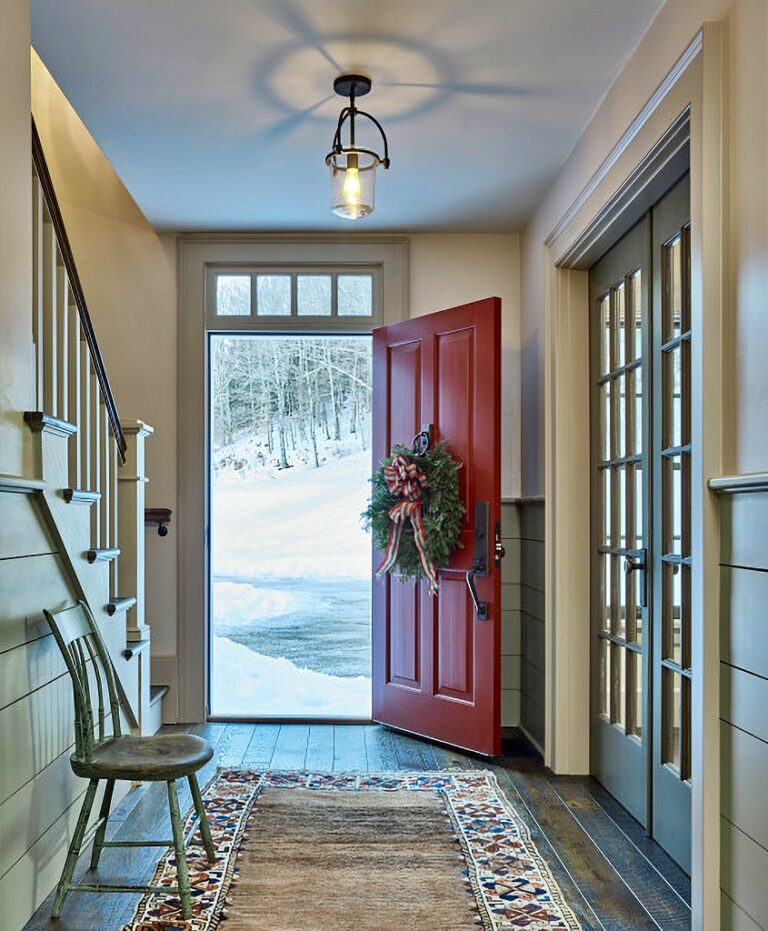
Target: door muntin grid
<point>673,353</point>
<point>621,548</point>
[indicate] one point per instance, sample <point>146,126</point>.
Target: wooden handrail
<point>52,203</point>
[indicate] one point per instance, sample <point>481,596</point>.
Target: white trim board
<point>196,252</point>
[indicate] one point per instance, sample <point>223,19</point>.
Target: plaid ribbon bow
<point>404,479</point>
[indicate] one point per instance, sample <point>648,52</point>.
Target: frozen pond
<point>318,624</point>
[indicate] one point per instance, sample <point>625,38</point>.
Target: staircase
<point>90,465</point>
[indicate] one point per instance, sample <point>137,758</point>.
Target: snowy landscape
<point>290,561</point>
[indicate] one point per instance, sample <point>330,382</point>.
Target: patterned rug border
<point>438,781</point>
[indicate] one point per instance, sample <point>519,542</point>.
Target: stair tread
<point>80,495</point>
<point>120,603</point>
<point>134,646</point>
<point>103,555</point>
<point>157,692</point>
<point>39,421</point>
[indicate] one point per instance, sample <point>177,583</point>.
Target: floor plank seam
<point>605,857</point>
<point>650,862</point>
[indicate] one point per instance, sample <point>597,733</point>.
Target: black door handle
<point>480,607</point>
<point>636,561</point>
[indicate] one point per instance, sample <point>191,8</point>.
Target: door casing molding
<point>196,252</point>
<point>681,127</point>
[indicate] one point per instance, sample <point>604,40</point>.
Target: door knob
<point>633,565</point>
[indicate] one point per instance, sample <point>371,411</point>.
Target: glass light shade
<point>353,188</point>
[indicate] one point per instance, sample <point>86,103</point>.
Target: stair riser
<point>154,718</point>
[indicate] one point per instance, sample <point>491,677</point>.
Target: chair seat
<point>160,757</point>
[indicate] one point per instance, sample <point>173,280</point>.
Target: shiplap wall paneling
<point>744,636</point>
<point>744,709</point>
<point>744,872</point>
<point>744,700</point>
<point>39,795</point>
<point>532,616</point>
<point>511,627</point>
<point>743,788</point>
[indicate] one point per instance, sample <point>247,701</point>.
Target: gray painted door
<point>640,365</point>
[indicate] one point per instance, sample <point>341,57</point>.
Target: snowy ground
<point>248,683</point>
<point>291,590</point>
<point>297,523</point>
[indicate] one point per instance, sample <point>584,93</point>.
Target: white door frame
<point>196,253</point>
<point>681,126</point>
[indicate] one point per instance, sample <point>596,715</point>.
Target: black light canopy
<point>352,166</point>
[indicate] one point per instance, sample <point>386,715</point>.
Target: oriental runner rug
<point>405,851</point>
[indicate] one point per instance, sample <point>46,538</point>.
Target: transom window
<point>272,294</point>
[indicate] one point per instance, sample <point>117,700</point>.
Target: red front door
<point>436,666</point>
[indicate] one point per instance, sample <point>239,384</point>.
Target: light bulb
<point>352,186</point>
<point>352,189</point>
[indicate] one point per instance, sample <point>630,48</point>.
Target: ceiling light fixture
<point>353,168</point>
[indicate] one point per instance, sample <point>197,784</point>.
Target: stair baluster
<point>84,433</point>
<point>50,336</point>
<point>62,340</point>
<point>74,392</point>
<point>38,209</point>
<point>95,444</point>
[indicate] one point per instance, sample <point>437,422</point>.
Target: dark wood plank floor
<point>613,876</point>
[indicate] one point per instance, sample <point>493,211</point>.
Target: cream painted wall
<point>129,278</point>
<point>17,390</point>
<point>746,23</point>
<point>455,268</point>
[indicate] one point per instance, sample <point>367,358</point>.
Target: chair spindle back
<point>90,668</point>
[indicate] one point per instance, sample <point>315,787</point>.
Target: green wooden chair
<point>97,756</point>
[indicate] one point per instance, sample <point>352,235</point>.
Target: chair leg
<point>182,873</point>
<point>65,883</point>
<point>98,841</point>
<point>205,829</point>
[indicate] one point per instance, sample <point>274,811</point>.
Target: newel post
<point>132,478</point>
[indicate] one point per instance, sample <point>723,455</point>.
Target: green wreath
<point>431,532</point>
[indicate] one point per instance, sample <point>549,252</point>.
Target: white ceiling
<point>217,114</point>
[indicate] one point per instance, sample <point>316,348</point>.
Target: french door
<point>641,567</point>
<point>436,659</point>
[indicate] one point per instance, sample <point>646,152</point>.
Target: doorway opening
<point>290,561</point>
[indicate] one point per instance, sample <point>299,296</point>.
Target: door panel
<point>436,666</point>
<point>672,539</point>
<point>641,441</point>
<point>404,639</point>
<point>619,294</point>
<point>454,641</point>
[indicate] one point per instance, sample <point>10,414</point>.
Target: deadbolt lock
<point>499,550</point>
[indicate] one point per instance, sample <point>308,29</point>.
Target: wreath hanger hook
<point>423,439</point>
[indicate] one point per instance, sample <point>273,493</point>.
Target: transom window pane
<point>273,295</point>
<point>233,295</point>
<point>313,295</point>
<point>355,296</point>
